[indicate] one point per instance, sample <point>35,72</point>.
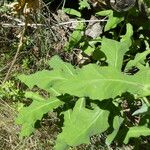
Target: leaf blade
<point>81,123</point>
<point>29,115</point>
<point>135,132</point>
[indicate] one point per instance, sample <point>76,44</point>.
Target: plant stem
<point>20,46</point>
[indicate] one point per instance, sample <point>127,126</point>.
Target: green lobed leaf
<point>95,82</point>
<point>117,50</point>
<point>29,115</point>
<point>90,81</point>
<point>43,78</point>
<point>81,123</point>
<point>114,52</point>
<point>135,132</point>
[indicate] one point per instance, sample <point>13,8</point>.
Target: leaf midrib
<point>88,127</point>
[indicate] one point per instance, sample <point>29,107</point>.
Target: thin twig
<point>58,24</point>
<point>13,19</point>
<point>84,21</point>
<point>21,24</point>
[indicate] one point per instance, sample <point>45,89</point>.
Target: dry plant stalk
<point>25,8</point>
<point>20,45</point>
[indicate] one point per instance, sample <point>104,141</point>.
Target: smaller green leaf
<point>89,50</point>
<point>104,13</point>
<point>115,52</point>
<point>72,12</point>
<point>116,125</point>
<point>29,115</point>
<point>127,37</point>
<point>143,109</point>
<point>84,4</point>
<point>112,22</point>
<point>75,37</point>
<point>81,123</point>
<point>135,132</point>
<point>114,18</point>
<point>89,46</point>
<point>139,59</point>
